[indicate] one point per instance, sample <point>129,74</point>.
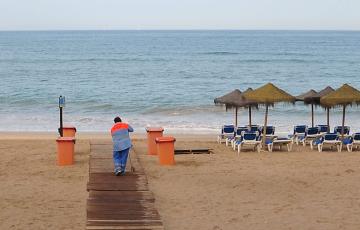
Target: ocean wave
<point>70,60</point>
<point>294,54</point>
<point>219,53</point>
<point>101,107</point>
<point>279,60</point>
<point>183,110</point>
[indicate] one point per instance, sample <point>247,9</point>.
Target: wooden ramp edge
<point>118,202</point>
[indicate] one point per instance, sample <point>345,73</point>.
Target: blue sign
<point>61,102</point>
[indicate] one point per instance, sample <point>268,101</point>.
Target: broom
<point>132,169</point>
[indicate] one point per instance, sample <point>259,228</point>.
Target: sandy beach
<point>35,192</point>
<point>302,189</point>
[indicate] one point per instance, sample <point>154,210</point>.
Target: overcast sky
<point>179,14</point>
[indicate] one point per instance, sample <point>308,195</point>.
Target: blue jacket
<point>120,135</point>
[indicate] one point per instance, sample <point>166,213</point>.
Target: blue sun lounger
<point>271,143</point>
<point>328,139</point>
<point>299,133</point>
<point>354,141</point>
<point>226,131</point>
<point>238,135</point>
<point>323,129</point>
<point>270,130</point>
<point>249,139</point>
<point>254,128</point>
<point>311,134</point>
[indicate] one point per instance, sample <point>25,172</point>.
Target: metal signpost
<point>61,106</point>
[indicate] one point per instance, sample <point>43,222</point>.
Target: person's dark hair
<point>117,119</point>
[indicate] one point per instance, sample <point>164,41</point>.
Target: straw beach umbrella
<point>343,96</point>
<point>268,95</point>
<point>314,99</point>
<point>235,99</point>
<point>308,98</point>
<point>228,99</point>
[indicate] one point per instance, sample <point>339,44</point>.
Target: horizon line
<point>59,30</point>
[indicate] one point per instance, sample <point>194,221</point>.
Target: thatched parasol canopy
<point>236,99</point>
<point>228,98</point>
<point>324,92</point>
<point>316,100</point>
<point>343,96</point>
<point>307,98</point>
<point>268,95</point>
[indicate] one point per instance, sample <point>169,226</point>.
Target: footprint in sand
<point>349,171</point>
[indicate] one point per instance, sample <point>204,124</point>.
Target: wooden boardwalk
<point>122,202</point>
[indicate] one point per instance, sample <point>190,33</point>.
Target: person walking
<point>121,145</point>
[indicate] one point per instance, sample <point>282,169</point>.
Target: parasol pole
<point>328,118</point>
<point>312,115</point>
<point>236,117</point>
<point>265,125</point>
<point>343,123</point>
<point>250,117</point>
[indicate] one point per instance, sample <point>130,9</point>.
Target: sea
<point>168,78</point>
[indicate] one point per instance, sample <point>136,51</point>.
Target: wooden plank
<point>193,151</point>
<point>118,211</point>
<point>124,183</point>
<point>111,177</point>
<point>127,222</point>
<point>112,203</point>
<point>111,170</point>
<point>99,215</point>
<point>107,187</point>
<point>127,216</point>
<point>121,209</point>
<point>144,204</point>
<point>136,223</point>
<point>119,195</point>
<point>124,227</point>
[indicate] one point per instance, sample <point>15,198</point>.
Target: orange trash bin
<point>152,134</point>
<point>69,131</point>
<point>65,147</point>
<point>165,148</point>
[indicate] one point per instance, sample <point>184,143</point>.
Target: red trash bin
<point>152,134</point>
<point>65,147</point>
<point>69,131</point>
<point>166,150</point>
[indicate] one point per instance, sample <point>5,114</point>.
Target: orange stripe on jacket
<point>119,126</point>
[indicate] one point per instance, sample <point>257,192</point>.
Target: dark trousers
<point>120,159</point>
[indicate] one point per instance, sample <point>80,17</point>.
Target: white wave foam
<point>197,121</point>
